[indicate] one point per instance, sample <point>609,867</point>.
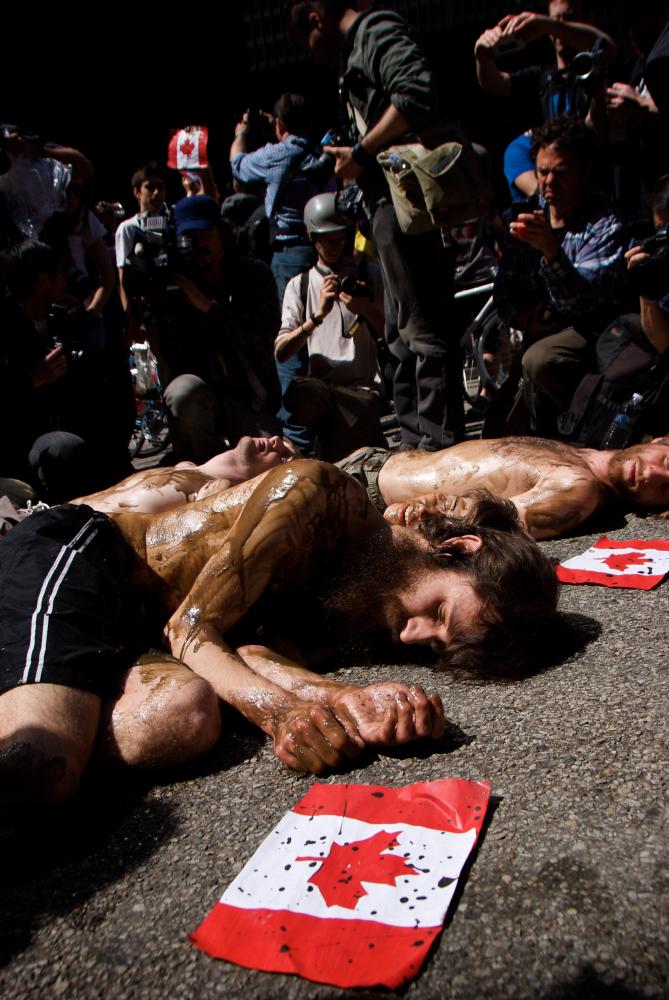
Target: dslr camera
<point>69,328</point>
<point>650,278</point>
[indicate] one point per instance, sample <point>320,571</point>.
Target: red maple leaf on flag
<point>187,147</point>
<point>625,559</point>
<point>342,872</point>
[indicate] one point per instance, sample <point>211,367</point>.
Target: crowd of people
<point>286,320</point>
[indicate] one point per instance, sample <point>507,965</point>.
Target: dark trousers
<point>418,282</point>
<point>344,418</point>
<point>204,421</point>
<point>552,371</point>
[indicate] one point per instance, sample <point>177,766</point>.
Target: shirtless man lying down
<point>554,486</point>
<point>85,594</point>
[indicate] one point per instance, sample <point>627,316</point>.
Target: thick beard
<point>361,603</point>
<point>615,473</point>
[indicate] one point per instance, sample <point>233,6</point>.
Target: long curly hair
<point>513,578</point>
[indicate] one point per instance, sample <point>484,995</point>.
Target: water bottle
<point>398,164</point>
<point>622,425</point>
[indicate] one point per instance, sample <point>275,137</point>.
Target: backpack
<point>626,364</point>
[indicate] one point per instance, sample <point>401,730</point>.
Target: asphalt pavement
<point>566,896</point>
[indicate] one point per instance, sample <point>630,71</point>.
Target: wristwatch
<point>313,319</point>
<point>361,156</point>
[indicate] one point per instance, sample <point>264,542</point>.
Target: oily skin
<point>210,561</point>
<point>554,486</point>
<point>155,490</point>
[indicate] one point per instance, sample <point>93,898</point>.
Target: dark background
<point>112,82</point>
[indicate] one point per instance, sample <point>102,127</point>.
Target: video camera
<point>650,278</point>
<point>157,254</point>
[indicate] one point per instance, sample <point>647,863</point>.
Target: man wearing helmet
<point>335,312</point>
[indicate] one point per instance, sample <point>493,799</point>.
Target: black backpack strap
<point>288,175</point>
<point>304,291</point>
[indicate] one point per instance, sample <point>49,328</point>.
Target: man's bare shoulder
<point>309,485</point>
<point>149,491</point>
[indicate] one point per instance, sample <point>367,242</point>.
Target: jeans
<point>285,265</point>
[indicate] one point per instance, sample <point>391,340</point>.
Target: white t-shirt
<point>126,236</point>
<point>125,239</point>
<point>339,360</point>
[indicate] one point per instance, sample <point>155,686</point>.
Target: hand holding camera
<point>329,294</point>
<point>50,368</point>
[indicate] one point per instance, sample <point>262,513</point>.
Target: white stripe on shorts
<point>40,618</point>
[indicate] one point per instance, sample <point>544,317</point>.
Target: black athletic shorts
<point>66,608</point>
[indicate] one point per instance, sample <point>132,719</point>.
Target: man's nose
<point>653,474</point>
<point>417,630</point>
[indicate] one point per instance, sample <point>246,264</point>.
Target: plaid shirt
<point>268,164</point>
<point>586,283</point>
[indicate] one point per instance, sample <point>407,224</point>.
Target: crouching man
<point>85,594</point>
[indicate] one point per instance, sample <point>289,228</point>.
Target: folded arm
<point>289,516</point>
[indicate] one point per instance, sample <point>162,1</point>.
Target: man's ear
<point>315,20</point>
<point>464,543</point>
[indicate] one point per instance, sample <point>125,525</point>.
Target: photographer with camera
<point>335,313</point>
<point>57,403</point>
<point>390,92</point>
<point>649,272</point>
<point>211,319</point>
<point>624,397</point>
<point>561,278</point>
<point>148,187</point>
<point>542,92</point>
<point>282,166</point>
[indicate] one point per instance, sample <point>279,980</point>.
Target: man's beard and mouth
<point>361,606</point>
<point>625,474</point>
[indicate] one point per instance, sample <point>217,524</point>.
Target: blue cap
<point>198,212</point>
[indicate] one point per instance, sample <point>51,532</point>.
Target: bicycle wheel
<point>496,348</point>
<point>471,379</point>
<point>151,433</point>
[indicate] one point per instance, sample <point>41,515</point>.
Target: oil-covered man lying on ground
<point>85,594</point>
<point>554,486</point>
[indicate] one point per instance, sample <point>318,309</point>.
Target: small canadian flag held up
<point>611,563</point>
<point>187,148</point>
<point>352,886</point>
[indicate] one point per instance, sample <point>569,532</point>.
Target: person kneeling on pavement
<point>333,314</point>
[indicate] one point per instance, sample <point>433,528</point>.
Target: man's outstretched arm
<point>384,714</point>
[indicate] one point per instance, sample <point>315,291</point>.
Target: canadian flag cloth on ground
<point>610,563</point>
<point>352,887</point>
<point>187,149</point>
